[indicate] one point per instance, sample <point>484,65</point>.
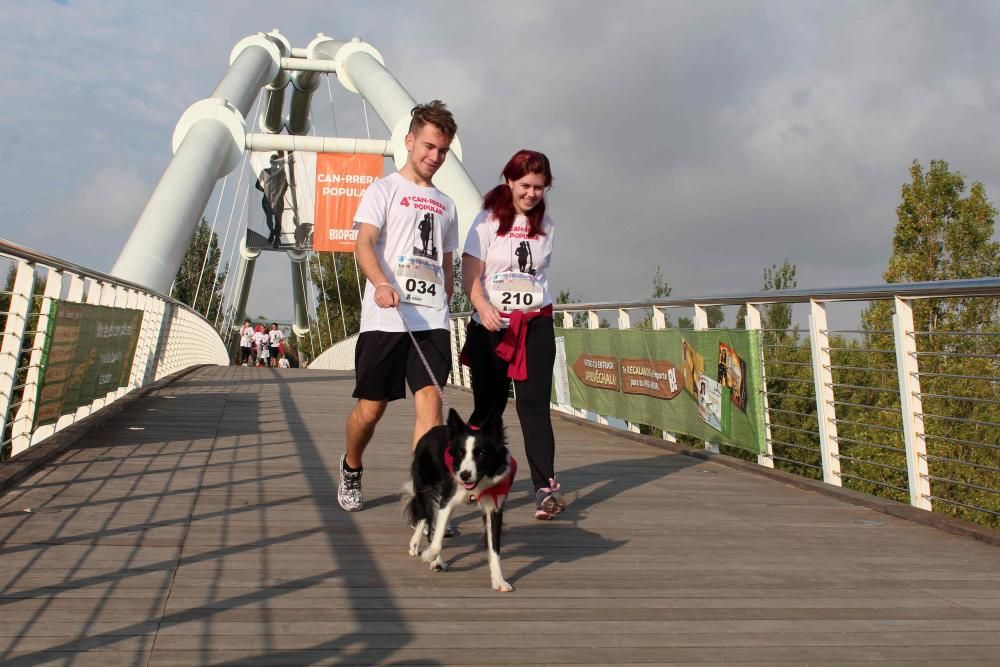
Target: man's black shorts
<point>383,360</point>
<point>273,351</point>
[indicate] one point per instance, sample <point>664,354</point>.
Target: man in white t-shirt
<point>407,232</point>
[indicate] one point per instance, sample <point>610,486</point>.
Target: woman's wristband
<point>383,285</point>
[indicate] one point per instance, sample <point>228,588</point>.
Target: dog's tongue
<point>469,485</point>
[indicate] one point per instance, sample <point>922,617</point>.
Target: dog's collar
<point>499,490</point>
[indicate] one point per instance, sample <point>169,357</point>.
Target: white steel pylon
<point>211,137</point>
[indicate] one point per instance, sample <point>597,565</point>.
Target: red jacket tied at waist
<point>513,348</point>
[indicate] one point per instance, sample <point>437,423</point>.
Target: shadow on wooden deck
<point>201,526</point>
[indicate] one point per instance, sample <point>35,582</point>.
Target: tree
<point>579,319</point>
<point>459,302</point>
<point>338,289</point>
<point>943,233</point>
<point>196,278</point>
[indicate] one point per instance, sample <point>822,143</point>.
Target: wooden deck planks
<point>201,526</point>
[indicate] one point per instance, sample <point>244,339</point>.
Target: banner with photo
<point>341,179</point>
<point>704,384</point>
<point>283,199</point>
<point>88,354</point>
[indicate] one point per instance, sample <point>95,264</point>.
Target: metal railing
<point>894,412</point>
<point>172,337</point>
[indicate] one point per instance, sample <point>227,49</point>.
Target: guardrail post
<point>753,324</point>
<point>659,324</point>
<point>25,419</point>
<point>826,413</point>
<point>594,322</point>
<point>466,375</point>
<point>74,294</point>
<point>912,405</point>
<point>700,324</point>
<point>13,337</point>
<point>567,319</point>
<point>625,322</point>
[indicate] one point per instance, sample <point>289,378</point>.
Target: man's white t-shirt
<point>515,264</point>
<point>276,337</point>
<point>417,225</point>
<point>284,363</point>
<point>245,338</point>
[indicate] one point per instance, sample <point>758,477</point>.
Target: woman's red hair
<point>500,201</point>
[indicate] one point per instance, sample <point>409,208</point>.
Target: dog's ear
<point>455,424</point>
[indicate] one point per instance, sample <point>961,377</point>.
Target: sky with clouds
<point>708,138</point>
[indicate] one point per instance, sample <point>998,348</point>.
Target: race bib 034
<point>420,281</point>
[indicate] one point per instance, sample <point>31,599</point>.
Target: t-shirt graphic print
<point>417,226</point>
<point>515,263</point>
<point>423,245</point>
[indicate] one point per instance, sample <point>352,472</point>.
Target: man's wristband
<point>383,285</point>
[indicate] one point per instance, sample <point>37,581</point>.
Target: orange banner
<point>341,179</point>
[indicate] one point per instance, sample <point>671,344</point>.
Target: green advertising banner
<point>88,353</point>
<point>704,384</point>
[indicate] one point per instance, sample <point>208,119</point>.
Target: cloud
<point>712,139</point>
<point>90,224</point>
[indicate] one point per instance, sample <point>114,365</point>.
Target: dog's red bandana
<point>498,490</point>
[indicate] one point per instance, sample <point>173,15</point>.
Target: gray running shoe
<point>349,493</point>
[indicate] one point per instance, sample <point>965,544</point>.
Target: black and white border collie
<point>451,465</point>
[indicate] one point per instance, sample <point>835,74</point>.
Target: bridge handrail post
<point>701,324</point>
<point>25,419</point>
<point>13,338</point>
<point>594,322</point>
<point>659,324</point>
<point>908,369</point>
<point>826,411</point>
<point>752,322</point>
<point>624,323</point>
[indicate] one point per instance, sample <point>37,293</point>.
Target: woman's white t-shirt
<point>417,226</point>
<point>515,264</point>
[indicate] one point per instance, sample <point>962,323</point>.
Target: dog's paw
<point>414,549</point>
<point>502,586</point>
<point>429,554</point>
<point>438,565</point>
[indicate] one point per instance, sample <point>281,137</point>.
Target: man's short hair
<point>436,113</point>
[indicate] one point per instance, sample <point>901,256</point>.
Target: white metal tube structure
<point>208,142</point>
<point>266,143</point>
<point>300,274</point>
<point>248,260</point>
<point>272,116</point>
<point>360,70</point>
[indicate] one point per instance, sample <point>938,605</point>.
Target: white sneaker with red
<point>549,501</point>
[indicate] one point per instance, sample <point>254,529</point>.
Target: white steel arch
<point>212,135</point>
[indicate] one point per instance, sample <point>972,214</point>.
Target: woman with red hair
<point>510,337</point>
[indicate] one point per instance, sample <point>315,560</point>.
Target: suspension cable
<point>310,183</point>
<point>340,300</point>
<point>364,110</point>
<point>225,240</point>
<point>208,244</point>
<point>333,255</point>
<point>333,109</point>
<point>326,304</point>
<point>305,296</point>
<point>243,211</point>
